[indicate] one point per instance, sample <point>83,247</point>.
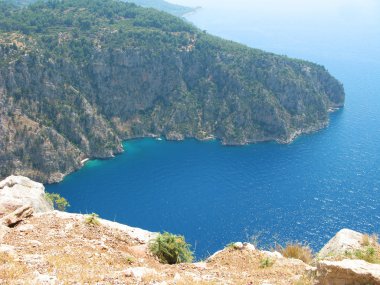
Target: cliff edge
<point>43,246</point>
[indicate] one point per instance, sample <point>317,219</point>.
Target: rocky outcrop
<point>348,272</point>
<point>18,192</point>
<point>344,241</point>
<point>17,216</point>
<point>52,247</point>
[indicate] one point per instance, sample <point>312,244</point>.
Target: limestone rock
<point>139,272</point>
<point>273,254</point>
<point>19,191</point>
<point>8,249</point>
<point>44,279</point>
<point>345,240</point>
<point>17,216</point>
<point>348,272</point>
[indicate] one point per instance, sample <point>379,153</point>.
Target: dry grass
<point>10,269</point>
<point>305,280</point>
<point>190,281</point>
<point>80,268</point>
<point>368,240</point>
<point>370,251</point>
<point>298,251</point>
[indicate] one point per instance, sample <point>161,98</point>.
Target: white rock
<point>177,277</point>
<point>44,279</point>
<point>201,265</point>
<point>348,271</point>
<point>139,272</point>
<point>138,234</point>
<point>238,245</point>
<point>214,255</point>
<point>18,215</point>
<point>345,240</point>
<point>8,249</point>
<point>25,228</point>
<point>35,243</point>
<point>273,254</point>
<point>249,246</point>
<point>19,191</point>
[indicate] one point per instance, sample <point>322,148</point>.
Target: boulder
<point>347,272</point>
<point>344,241</point>
<point>19,191</point>
<point>16,216</point>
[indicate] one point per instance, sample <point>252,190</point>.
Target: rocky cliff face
<point>42,246</point>
<point>78,77</point>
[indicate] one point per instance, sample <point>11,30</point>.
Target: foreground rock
<point>344,241</point>
<point>19,191</point>
<point>347,272</point>
<point>56,248</point>
<point>17,216</point>
<point>41,246</point>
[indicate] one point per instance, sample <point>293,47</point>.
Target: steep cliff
<point>78,77</point>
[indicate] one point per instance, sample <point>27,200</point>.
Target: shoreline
<point>292,137</point>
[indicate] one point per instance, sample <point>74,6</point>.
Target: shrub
<point>92,219</point>
<point>266,262</point>
<point>58,202</point>
<point>370,251</point>
<point>298,251</point>
<point>368,240</point>
<point>171,249</point>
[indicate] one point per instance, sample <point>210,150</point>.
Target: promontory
<point>77,77</point>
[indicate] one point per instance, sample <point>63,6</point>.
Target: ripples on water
<point>304,191</point>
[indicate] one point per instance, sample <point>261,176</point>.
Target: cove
<point>304,191</point>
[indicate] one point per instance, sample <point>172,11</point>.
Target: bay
<point>303,191</point>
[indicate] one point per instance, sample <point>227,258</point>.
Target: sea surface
<point>304,191</point>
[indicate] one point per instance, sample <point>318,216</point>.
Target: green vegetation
<point>92,219</point>
<point>231,245</point>
<point>58,202</point>
<point>297,250</point>
<point>266,262</point>
<point>130,260</point>
<point>369,252</point>
<point>80,76</point>
<point>171,249</point>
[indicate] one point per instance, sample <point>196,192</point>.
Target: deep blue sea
<point>304,191</point>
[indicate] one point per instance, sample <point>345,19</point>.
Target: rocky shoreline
<point>41,246</point>
<point>209,137</point>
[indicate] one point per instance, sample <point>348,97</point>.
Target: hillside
<point>78,76</point>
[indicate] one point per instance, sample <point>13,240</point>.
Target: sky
<point>344,9</point>
<point>343,28</point>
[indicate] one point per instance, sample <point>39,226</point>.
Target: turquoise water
<point>304,191</point>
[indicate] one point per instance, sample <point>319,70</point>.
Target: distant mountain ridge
<point>174,9</point>
<point>79,76</point>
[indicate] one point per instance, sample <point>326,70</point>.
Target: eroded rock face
<point>344,241</point>
<point>19,191</point>
<point>348,272</point>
